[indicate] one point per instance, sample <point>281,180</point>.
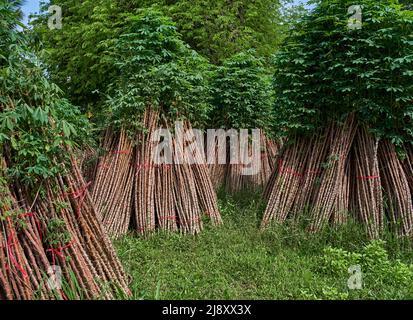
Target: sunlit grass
<point>237,261</point>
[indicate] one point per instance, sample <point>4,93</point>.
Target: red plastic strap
<point>368,177</point>
<point>63,295</point>
<point>139,167</point>
<point>154,165</point>
<point>10,251</point>
<point>281,170</point>
<point>81,192</point>
<point>27,214</point>
<point>166,166</point>
<point>185,223</point>
<point>143,166</point>
<point>144,229</point>
<point>280,165</point>
<point>80,195</point>
<point>58,252</point>
<point>292,172</point>
<point>149,166</point>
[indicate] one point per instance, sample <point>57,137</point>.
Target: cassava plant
<point>242,99</point>
<point>327,69</point>
<point>160,80</point>
<point>354,76</point>
<point>47,219</point>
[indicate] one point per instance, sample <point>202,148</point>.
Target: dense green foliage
<point>242,94</point>
<point>407,3</point>
<point>219,29</point>
<point>9,39</point>
<point>79,57</point>
<point>116,59</point>
<point>392,277</point>
<point>326,70</point>
<point>285,262</point>
<point>157,69</point>
<point>36,123</point>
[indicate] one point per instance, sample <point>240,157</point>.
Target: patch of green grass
<point>238,261</point>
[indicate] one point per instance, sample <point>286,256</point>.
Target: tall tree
<point>79,54</point>
<point>219,29</point>
<point>10,19</point>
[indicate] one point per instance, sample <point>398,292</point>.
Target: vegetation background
<point>234,261</point>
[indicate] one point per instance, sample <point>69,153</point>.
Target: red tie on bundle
<point>121,152</point>
<point>141,229</point>
<point>281,170</point>
<point>80,196</point>
<point>10,250</point>
<point>368,177</point>
<point>58,252</point>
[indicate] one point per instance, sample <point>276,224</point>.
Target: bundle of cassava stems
<point>340,171</point>
<point>232,175</point>
<point>52,244</point>
<point>134,192</point>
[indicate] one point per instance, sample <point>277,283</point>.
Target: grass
<point>237,261</point>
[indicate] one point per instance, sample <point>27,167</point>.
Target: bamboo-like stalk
<point>367,193</point>
<point>217,171</point>
<point>164,201</point>
<point>316,154</point>
<point>342,210</point>
<point>144,192</point>
<point>207,197</point>
<point>287,181</point>
<point>331,179</point>
<point>90,267</point>
<point>357,168</point>
<point>112,191</point>
<point>408,167</point>
<point>136,192</point>
<point>232,174</point>
<point>395,182</point>
<point>23,261</point>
